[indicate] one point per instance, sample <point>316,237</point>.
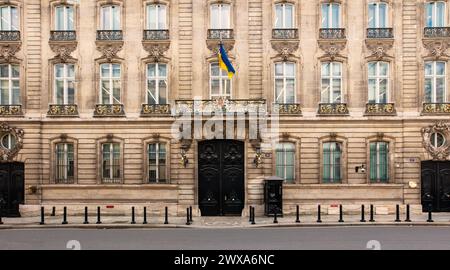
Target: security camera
<point>363,170</point>
<point>360,169</point>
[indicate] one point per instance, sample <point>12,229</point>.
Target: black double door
<point>12,188</point>
<point>436,186</point>
<point>221,177</point>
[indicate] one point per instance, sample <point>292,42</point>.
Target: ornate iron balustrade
<point>109,35</point>
<point>155,109</point>
<point>220,106</point>
<point>290,108</point>
<point>111,181</point>
<point>109,110</point>
<point>220,34</point>
<point>9,35</point>
<point>333,109</point>
<point>156,35</point>
<point>62,110</point>
<point>285,33</point>
<point>332,33</point>
<point>436,108</point>
<point>67,181</point>
<point>10,110</point>
<point>380,109</point>
<point>63,35</point>
<point>380,33</point>
<point>436,32</point>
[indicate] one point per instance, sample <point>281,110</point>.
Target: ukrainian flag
<point>225,63</point>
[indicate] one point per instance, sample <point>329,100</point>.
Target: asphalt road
<point>355,238</point>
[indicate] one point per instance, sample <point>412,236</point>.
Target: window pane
<point>151,17</point>
<point>215,16</point>
<point>106,17</point>
<point>151,92</point>
<point>372,69</point>
<point>104,71</point>
<point>162,92</point>
<point>215,87</point>
<point>326,69</point>
<point>71,92</point>
<point>382,15</point>
<point>15,19</point>
<point>429,68</point>
<point>373,162</point>
<point>384,69</point>
<point>162,70</point>
<point>59,13</point>
<point>278,69</point>
<point>429,14</point>
<point>372,11</point>
<point>440,14</point>
<point>16,95</point>
<point>59,91</point>
<point>279,16</point>
<point>336,16</point>
<point>162,17</point>
<point>70,19</point>
<point>440,90</point>
<point>215,69</point>
<point>372,91</point>
<point>151,70</point>
<point>6,19</point>
<point>325,93</point>
<point>116,18</point>
<point>289,19</point>
<point>116,71</point>
<point>290,69</point>
<point>336,69</point>
<point>325,19</point>
<point>279,91</point>
<point>440,68</point>
<point>71,71</point>
<point>4,71</point>
<point>225,17</point>
<point>116,92</point>
<point>106,89</point>
<point>336,91</point>
<point>383,91</point>
<point>4,88</point>
<point>428,90</point>
<point>290,91</point>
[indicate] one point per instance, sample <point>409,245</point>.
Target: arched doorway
<point>12,187</point>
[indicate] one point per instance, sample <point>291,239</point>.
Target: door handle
<point>225,197</point>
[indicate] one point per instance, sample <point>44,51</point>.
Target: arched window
<point>285,82</point>
<point>378,80</point>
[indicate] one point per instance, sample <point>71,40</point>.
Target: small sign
<point>413,160</point>
<point>267,155</point>
<point>110,206</point>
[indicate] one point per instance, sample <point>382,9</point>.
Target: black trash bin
<point>273,196</point>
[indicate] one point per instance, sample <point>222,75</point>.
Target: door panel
<point>435,186</point>
<point>12,188</point>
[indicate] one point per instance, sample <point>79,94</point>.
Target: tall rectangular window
<point>332,155</point>
<point>65,170</point>
<point>379,162</point>
<point>156,83</point>
<point>9,18</point>
<point>285,161</point>
<point>435,14</point>
<point>331,82</point>
<point>378,82</point>
<point>284,16</point>
<point>435,85</point>
<point>64,84</point>
<point>9,84</point>
<point>111,162</point>
<point>220,83</point>
<point>220,16</point>
<point>156,17</point>
<point>284,82</point>
<point>110,83</point>
<point>378,15</point>
<point>110,18</point>
<point>331,15</point>
<point>64,18</point>
<point>157,163</point>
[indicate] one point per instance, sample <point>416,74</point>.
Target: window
<point>220,16</point>
<point>284,82</point>
<point>437,140</point>
<point>220,83</point>
<point>9,18</point>
<point>331,15</point>
<point>435,14</point>
<point>379,162</point>
<point>331,82</point>
<point>285,161</point>
<point>64,19</point>
<point>378,82</point>
<point>378,15</point>
<point>332,162</point>
<point>156,17</point>
<point>435,85</point>
<point>157,163</point>
<point>8,141</point>
<point>284,16</point>
<point>110,75</point>
<point>110,18</point>
<point>111,162</point>
<point>65,84</point>
<point>64,163</point>
<point>157,83</point>
<point>9,85</point>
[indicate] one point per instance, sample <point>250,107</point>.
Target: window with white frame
<point>157,83</point>
<point>65,163</point>
<point>331,82</point>
<point>331,15</point>
<point>220,83</point>
<point>437,139</point>
<point>435,85</point>
<point>378,80</point>
<point>332,155</point>
<point>64,18</point>
<point>285,161</point>
<point>64,84</point>
<point>110,17</point>
<point>9,84</point>
<point>110,83</point>
<point>156,17</point>
<point>435,14</point>
<point>8,141</point>
<point>157,163</point>
<point>284,16</point>
<point>284,82</point>
<point>220,16</point>
<point>379,162</point>
<point>9,18</point>
<point>111,166</point>
<point>378,15</point>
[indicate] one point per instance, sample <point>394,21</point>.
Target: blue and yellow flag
<point>225,63</point>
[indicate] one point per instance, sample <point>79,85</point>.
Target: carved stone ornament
<point>332,49</point>
<point>436,48</point>
<point>8,51</point>
<point>438,153</point>
<point>110,49</point>
<point>379,48</point>
<point>63,51</point>
<point>9,154</point>
<point>156,50</point>
<point>213,45</point>
<point>285,49</point>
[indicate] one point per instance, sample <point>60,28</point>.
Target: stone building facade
<point>91,90</point>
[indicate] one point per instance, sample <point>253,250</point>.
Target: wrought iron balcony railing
<point>220,34</point>
<point>332,33</point>
<point>436,32</point>
<point>155,109</point>
<point>285,33</point>
<point>9,35</point>
<point>220,106</point>
<point>62,110</point>
<point>333,109</point>
<point>67,181</point>
<point>63,35</point>
<point>291,108</point>
<point>380,33</point>
<point>436,108</point>
<point>109,35</point>
<point>111,181</point>
<point>10,110</point>
<point>156,35</point>
<point>380,109</point>
<point>109,110</point>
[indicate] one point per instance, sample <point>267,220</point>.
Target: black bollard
<point>42,216</point>
<point>65,216</point>
<point>319,220</point>
<point>430,215</point>
<point>408,219</point>
<point>99,220</point>
<point>341,214</point>
<point>86,215</point>
<point>249,214</point>
<point>275,219</point>
<point>166,216</point>
<point>363,219</point>
<point>190,214</point>
<point>371,214</point>
<point>397,213</point>
<point>1,212</point>
<point>133,219</point>
<point>53,211</point>
<point>253,215</point>
<point>297,220</point>
<point>145,215</point>
<point>187,217</point>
